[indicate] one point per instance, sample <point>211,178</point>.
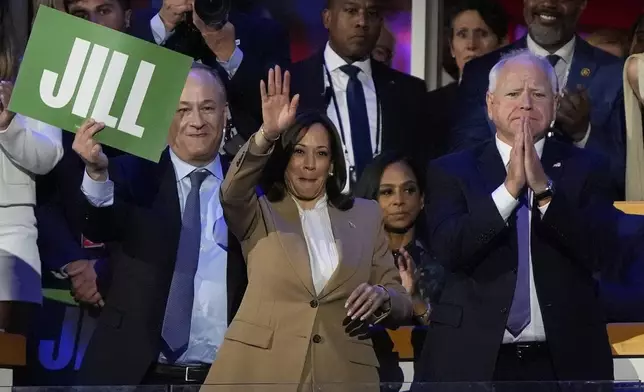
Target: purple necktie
<point>178,311</point>
<point>519,316</point>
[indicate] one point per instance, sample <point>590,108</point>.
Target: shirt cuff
<point>582,142</point>
<point>504,201</point>
<point>99,194</point>
<point>543,209</point>
<point>158,30</point>
<point>232,65</point>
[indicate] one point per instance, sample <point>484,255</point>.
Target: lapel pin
<point>352,225</point>
<point>558,164</point>
<point>585,72</point>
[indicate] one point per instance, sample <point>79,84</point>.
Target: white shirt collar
<point>565,52</point>
<point>334,61</point>
<point>505,149</point>
<point>319,205</point>
<point>183,169</point>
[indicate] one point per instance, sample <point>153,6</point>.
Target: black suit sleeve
<point>264,45</point>
<point>459,229</point>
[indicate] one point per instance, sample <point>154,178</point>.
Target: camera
<point>214,13</point>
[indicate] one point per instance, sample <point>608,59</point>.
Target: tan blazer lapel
<point>291,236</point>
<point>349,246</point>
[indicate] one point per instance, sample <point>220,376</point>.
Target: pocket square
<point>558,164</point>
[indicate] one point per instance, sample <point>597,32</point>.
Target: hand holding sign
<point>6,116</point>
<point>91,151</point>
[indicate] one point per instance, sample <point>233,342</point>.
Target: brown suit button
<point>317,338</point>
<point>314,303</point>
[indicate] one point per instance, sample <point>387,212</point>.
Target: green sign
<point>73,70</point>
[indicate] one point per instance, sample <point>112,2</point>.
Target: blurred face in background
<point>552,23</point>
<point>384,50</point>
<point>400,197</point>
<point>523,90</point>
<point>354,27</point>
<point>310,164</point>
<point>198,124</point>
<point>471,38</point>
<point>107,13</point>
<point>637,46</point>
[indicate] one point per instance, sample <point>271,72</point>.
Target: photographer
<point>242,48</point>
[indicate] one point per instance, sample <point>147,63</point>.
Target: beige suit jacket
<point>284,332</point>
<point>634,137</point>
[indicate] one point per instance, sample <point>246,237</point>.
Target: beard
<point>546,35</point>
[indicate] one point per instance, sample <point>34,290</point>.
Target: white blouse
<point>323,254</point>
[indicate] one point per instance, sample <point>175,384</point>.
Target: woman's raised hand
<point>278,109</point>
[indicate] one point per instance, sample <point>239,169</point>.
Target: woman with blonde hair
<point>27,148</point>
<point>634,104</point>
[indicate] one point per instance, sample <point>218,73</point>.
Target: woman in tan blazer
<point>319,268</point>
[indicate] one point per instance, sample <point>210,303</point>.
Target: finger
<point>286,87</point>
<point>78,282</point>
<point>95,299</point>
<point>96,128</point>
<point>409,261</point>
<point>85,291</point>
<point>355,295</point>
<point>75,269</point>
<point>566,106</point>
<point>262,91</point>
<point>96,151</point>
<point>376,302</point>
<point>278,80</point>
<point>360,302</point>
<point>565,119</point>
<point>402,263</point>
<point>295,102</point>
<point>271,82</point>
<point>101,303</point>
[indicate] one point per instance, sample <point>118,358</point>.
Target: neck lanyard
<point>337,112</point>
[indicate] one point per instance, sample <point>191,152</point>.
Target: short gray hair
<point>197,66</point>
<point>526,56</point>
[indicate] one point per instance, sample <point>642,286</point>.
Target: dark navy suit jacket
<point>598,71</point>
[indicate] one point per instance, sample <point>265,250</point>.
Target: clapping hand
<point>406,269</point>
<point>278,109</point>
<point>573,115</point>
<point>90,150</point>
<point>6,88</point>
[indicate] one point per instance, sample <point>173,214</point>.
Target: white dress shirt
<point>323,253</point>
<point>562,69</point>
<point>340,80</point>
<point>210,309</point>
<point>506,204</point>
<point>161,36</point>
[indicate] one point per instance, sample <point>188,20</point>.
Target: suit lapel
<point>311,83</point>
<point>295,249</point>
<point>490,166</point>
<point>385,85</point>
<point>349,248</point>
<point>552,159</point>
<point>582,69</point>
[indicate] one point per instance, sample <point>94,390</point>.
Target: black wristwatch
<point>549,192</point>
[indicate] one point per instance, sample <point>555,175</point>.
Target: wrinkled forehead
<point>517,73</point>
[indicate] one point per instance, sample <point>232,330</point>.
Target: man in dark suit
<point>179,278</point>
<point>591,111</point>
<point>374,107</point>
<point>522,245</point>
<point>242,51</point>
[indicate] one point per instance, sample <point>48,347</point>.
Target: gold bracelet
<point>261,131</point>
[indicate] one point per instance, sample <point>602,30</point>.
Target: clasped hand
<point>525,165</point>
